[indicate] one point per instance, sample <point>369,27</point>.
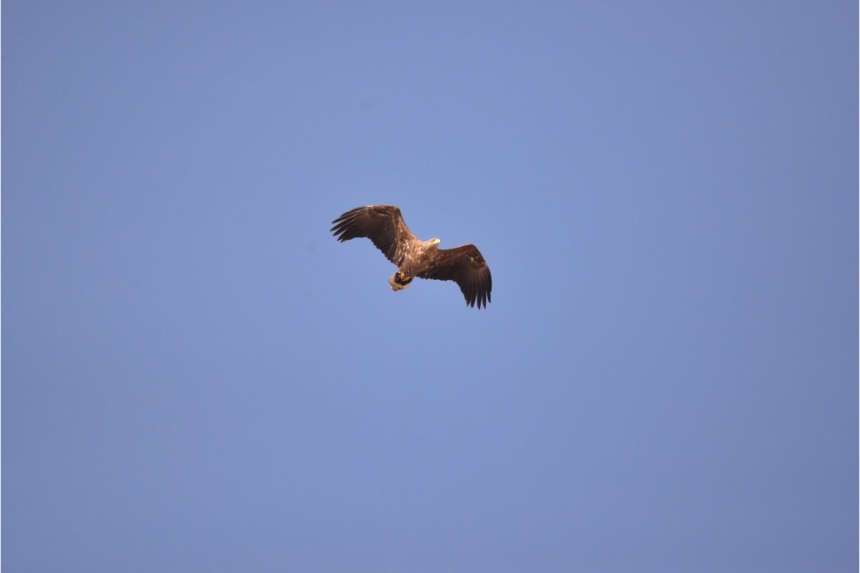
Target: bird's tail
<point>399,281</point>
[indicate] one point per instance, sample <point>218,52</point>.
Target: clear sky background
<point>198,377</point>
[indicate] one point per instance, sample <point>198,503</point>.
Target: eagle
<point>384,226</point>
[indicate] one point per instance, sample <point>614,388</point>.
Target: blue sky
<point>198,377</point>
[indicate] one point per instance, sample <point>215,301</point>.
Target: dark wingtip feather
<point>344,226</point>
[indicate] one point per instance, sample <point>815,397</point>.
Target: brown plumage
<point>384,226</point>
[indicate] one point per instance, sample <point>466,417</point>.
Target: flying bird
<point>384,226</point>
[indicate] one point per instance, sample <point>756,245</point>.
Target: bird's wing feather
<point>382,224</point>
<point>465,266</point>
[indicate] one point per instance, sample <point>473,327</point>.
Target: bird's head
<point>434,242</point>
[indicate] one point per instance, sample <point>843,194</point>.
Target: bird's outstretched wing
<point>465,266</point>
<point>382,224</point>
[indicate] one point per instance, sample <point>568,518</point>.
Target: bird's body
<point>384,226</point>
<point>419,257</point>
